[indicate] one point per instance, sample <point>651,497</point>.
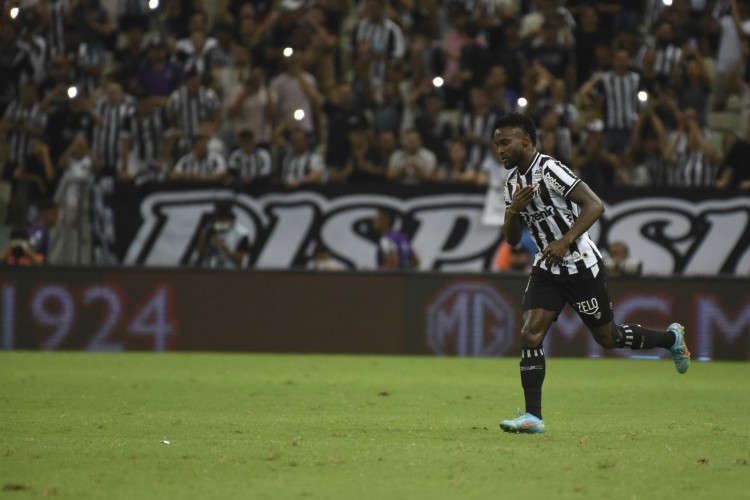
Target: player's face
<point>510,143</point>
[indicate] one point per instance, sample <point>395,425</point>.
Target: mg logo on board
<point>470,319</point>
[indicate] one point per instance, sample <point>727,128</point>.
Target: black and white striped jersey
<point>550,215</point>
<point>295,167</point>
<point>194,166</point>
<point>385,37</point>
<point>188,111</point>
<point>19,138</point>
<point>695,169</point>
<point>58,11</point>
<point>117,123</point>
<point>248,167</point>
<point>620,94</point>
<point>148,134</point>
<point>481,125</point>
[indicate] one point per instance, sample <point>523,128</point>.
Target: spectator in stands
<point>412,163</point>
<point>73,196</point>
<point>92,22</point>
<point>322,25</point>
<point>735,170</point>
<point>221,55</point>
<point>433,125</point>
<point>388,113</point>
<point>510,54</point>
<point>453,42</point>
<point>362,166</point>
<point>42,231</point>
<point>476,60</point>
<point>296,89</point>
<point>53,16</point>
<point>475,127</point>
<point>589,36</point>
<point>553,138</point>
<point>502,99</point>
<point>533,22</point>
<point>555,57</point>
<point>696,165</point>
<point>158,77</point>
<point>343,114</point>
<point>734,27</point>
<point>200,164</point>
<point>386,143</point>
<point>22,122</point>
<point>615,94</point>
<point>394,248</point>
<point>115,115</point>
<point>130,58</point>
<point>15,64</point>
<point>187,107</point>
<point>559,100</point>
<point>648,144</point>
<point>619,263</point>
<point>664,50</point>
<point>300,165</point>
<point>692,84</point>
<point>249,164</point>
<point>252,106</point>
<point>34,179</point>
<point>54,87</point>
<point>456,169</point>
<point>377,43</point>
<point>596,165</point>
<point>193,52</point>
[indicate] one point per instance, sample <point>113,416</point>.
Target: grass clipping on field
<point>76,425</point>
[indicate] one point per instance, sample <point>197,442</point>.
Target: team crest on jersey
<point>577,256</point>
<point>537,176</point>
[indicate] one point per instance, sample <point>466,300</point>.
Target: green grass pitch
<point>77,425</point>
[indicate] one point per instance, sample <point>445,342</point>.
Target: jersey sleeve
<point>506,194</point>
<point>559,178</point>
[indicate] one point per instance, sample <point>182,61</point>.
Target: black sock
<point>533,369</point>
<point>636,337</point>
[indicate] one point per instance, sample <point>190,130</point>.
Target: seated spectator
<point>619,263</point>
<point>343,115</point>
<point>19,251</point>
<point>248,163</point>
<point>360,166</point>
<point>300,165</point>
<point>380,154</point>
<point>412,163</point>
<point>394,248</point>
<point>200,164</point>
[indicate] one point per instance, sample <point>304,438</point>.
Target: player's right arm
<point>512,223</point>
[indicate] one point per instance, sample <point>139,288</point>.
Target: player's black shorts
<point>585,292</point>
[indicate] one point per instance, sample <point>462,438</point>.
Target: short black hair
<point>517,120</point>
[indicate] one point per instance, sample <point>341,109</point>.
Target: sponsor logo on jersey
<point>538,215</point>
<point>589,307</point>
<point>551,180</point>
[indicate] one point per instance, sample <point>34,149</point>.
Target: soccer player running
<point>559,208</point>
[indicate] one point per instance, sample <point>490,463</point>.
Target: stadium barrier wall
<point>677,231</point>
<point>478,314</point>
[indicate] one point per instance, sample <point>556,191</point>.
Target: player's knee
<point>607,336</point>
<point>531,335</point>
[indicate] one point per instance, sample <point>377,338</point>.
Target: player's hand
<point>522,197</point>
<point>554,252</point>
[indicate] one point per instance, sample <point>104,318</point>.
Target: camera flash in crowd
<point>522,102</point>
<point>643,96</point>
<point>72,92</point>
<point>667,3</point>
<point>288,51</point>
<point>299,114</point>
<point>153,4</point>
<point>13,12</point>
<point>437,82</point>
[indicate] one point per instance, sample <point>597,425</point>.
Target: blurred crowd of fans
<point>295,92</point>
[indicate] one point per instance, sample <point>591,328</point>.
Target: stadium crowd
<point>295,92</point>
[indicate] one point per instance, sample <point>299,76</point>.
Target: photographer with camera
<point>223,243</point>
<point>19,251</point>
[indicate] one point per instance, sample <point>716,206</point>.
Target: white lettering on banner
<point>470,319</point>
<point>713,320</point>
<point>670,236</point>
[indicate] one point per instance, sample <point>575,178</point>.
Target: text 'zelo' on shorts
<point>585,292</point>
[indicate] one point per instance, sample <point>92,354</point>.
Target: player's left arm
<point>591,209</point>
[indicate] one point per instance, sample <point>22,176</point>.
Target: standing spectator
<point>249,164</point>
<point>412,163</point>
<point>502,99</point>
<point>553,138</point>
<point>189,106</point>
<point>158,77</point>
<point>553,56</point>
<point>361,167</point>
<point>73,195</point>
<point>433,126</point>
<point>457,170</point>
<point>394,248</point>
<point>115,112</point>
<point>647,147</point>
<point>193,51</point>
<point>476,60</point>
<point>510,54</point>
<point>252,106</point>
<point>734,26</point>
<point>616,95</point>
<point>697,164</point>
<point>589,35</point>
<point>296,89</point>
<point>54,15</point>
<point>385,146</point>
<point>75,117</point>
<point>131,57</point>
<point>735,170</point>
<point>300,165</point>
<point>343,115</point>
<point>200,164</point>
<point>693,84</point>
<point>55,86</point>
<point>665,52</point>
<point>15,64</point>
<point>22,121</point>
<point>377,43</point>
<point>476,127</point>
<point>596,165</point>
<point>92,22</point>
